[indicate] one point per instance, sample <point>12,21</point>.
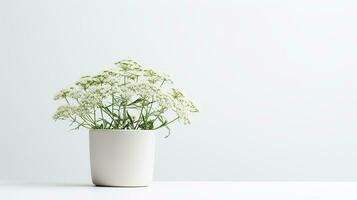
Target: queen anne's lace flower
<point>95,95</point>
<point>127,96</point>
<point>65,112</point>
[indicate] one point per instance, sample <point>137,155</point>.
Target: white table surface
<point>183,191</point>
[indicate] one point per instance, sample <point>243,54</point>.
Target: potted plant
<point>122,107</point>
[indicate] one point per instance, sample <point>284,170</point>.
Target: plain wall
<point>275,82</point>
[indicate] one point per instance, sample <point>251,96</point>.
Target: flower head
<point>127,96</point>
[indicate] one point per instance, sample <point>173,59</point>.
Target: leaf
<point>168,133</point>
<point>110,113</point>
<point>150,125</point>
<point>131,120</point>
<point>136,101</point>
<point>77,127</point>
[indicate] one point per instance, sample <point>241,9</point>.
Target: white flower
<point>85,82</point>
<point>182,106</point>
<point>166,78</point>
<point>142,89</point>
<point>75,93</point>
<point>112,92</point>
<point>62,94</point>
<point>95,95</point>
<point>65,112</point>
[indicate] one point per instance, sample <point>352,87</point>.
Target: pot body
<point>122,157</point>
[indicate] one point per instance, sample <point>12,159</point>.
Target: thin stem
<point>67,100</point>
<point>82,117</point>
<point>162,83</point>
<point>101,112</point>
<point>107,111</point>
<point>157,116</point>
<point>166,124</point>
<point>148,112</point>
<point>141,112</point>
<point>88,116</point>
<point>113,103</point>
<point>95,118</point>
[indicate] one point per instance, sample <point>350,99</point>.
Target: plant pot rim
<point>119,131</point>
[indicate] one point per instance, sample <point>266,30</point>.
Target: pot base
<point>121,186</point>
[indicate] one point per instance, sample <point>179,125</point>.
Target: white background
<point>275,82</point>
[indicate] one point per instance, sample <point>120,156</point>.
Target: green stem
<point>166,124</point>
<point>141,112</point>
<point>82,117</point>
<point>88,116</point>
<point>95,118</point>
<point>157,116</point>
<point>162,82</point>
<point>113,103</point>
<point>148,112</point>
<point>103,120</point>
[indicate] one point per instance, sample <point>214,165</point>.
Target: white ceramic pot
<point>122,157</point>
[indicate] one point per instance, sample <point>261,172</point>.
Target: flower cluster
<point>127,96</point>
